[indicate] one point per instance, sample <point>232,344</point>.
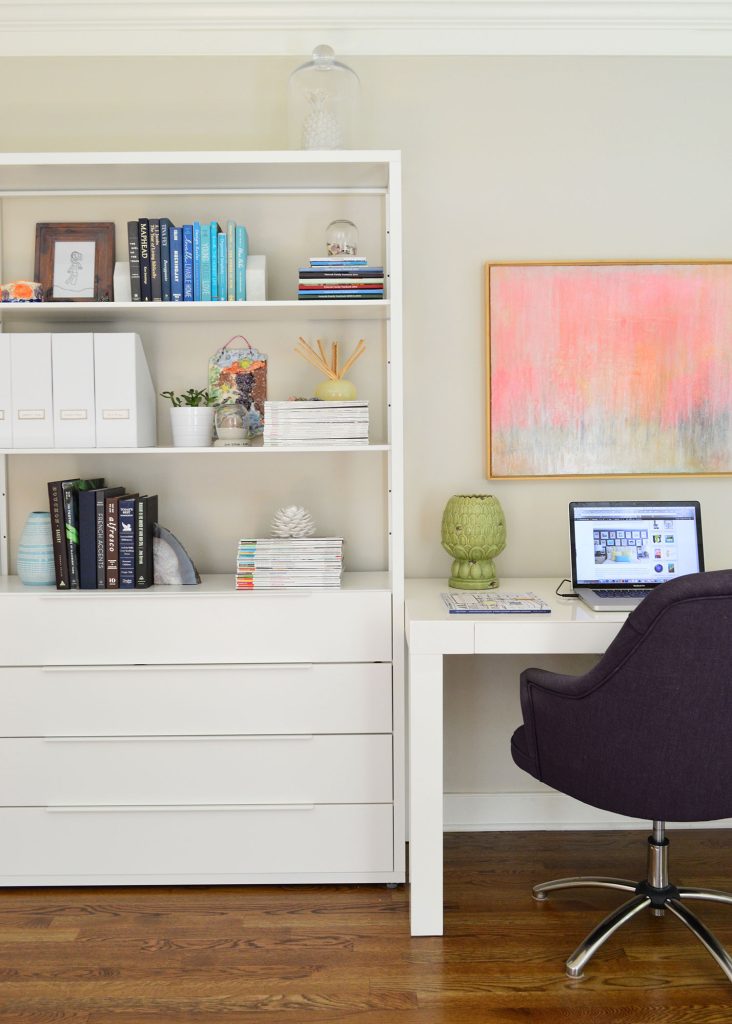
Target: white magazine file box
<point>32,390</point>
<point>74,423</point>
<point>6,405</point>
<point>125,396</point>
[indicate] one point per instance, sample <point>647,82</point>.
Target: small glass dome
<point>341,238</point>
<point>323,98</point>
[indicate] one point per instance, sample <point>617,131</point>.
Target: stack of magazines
<point>340,277</point>
<point>280,563</point>
<point>312,423</point>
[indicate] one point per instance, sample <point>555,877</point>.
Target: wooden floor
<point>343,953</point>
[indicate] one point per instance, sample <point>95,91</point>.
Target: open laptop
<point>621,550</point>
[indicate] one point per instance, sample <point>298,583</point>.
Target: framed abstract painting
<point>600,368</point>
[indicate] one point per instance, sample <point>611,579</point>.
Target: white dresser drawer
<point>196,770</point>
<point>151,627</point>
<point>193,700</point>
<point>108,844</point>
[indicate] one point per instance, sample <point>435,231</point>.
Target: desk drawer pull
<point>179,739</point>
<point>170,808</point>
<point>172,668</point>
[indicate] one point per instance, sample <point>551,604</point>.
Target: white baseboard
<point>506,812</point>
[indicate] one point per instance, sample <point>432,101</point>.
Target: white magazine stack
<point>276,563</point>
<point>312,423</point>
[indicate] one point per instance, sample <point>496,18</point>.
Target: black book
<point>58,534</point>
<point>145,287</point>
<point>71,489</point>
<point>111,541</point>
<point>133,246</point>
<point>101,556</point>
<point>165,226</point>
<point>156,282</point>
<point>147,516</point>
<point>127,524</point>
<point>88,540</point>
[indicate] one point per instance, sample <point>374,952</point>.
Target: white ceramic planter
<point>192,426</point>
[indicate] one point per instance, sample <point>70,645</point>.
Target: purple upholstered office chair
<point>647,733</point>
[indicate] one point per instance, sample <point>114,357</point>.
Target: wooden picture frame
<point>607,368</point>
<point>75,262</point>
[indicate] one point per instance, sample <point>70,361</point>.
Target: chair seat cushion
<point>520,752</point>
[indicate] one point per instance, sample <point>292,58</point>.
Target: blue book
<point>240,267</point>
<point>188,263</point>
<point>231,260</point>
<point>88,539</point>
<point>196,261</point>
<point>176,264</point>
<point>165,229</point>
<point>205,263</point>
<point>127,511</point>
<point>214,230</point>
<point>221,250</point>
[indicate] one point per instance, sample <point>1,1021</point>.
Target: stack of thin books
<point>281,563</point>
<point>305,424</point>
<point>340,277</point>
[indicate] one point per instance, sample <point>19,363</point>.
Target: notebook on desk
<point>621,550</point>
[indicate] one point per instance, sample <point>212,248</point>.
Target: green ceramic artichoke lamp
<point>473,532</point>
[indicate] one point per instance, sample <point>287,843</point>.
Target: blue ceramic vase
<point>35,551</point>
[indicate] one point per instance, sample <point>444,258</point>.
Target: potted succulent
<point>191,418</point>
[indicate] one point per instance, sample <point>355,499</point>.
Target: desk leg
<point>425,793</point>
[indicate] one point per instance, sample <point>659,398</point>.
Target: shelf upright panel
<point>4,562</point>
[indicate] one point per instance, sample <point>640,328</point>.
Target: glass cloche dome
<point>323,98</point>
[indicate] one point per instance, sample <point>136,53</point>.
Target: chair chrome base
<point>655,892</point>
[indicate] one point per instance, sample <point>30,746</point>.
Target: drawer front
<point>171,841</point>
<point>153,629</point>
<point>199,770</point>
<point>195,700</point>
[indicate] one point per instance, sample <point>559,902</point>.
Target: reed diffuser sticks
<point>331,367</point>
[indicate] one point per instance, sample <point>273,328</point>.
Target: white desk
<point>432,632</point>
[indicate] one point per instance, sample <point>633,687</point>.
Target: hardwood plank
<point>146,955</point>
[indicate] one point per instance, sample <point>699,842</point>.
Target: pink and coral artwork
<point>608,368</point>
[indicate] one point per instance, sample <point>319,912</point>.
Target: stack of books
<point>277,563</point>
<point>304,424</point>
<point>194,263</point>
<point>102,537</point>
<point>340,277</point>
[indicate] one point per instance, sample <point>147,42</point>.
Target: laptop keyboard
<point>621,593</point>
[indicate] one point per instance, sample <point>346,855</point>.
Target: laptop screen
<point>634,543</point>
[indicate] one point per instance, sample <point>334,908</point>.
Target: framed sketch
<point>604,368</point>
<point>75,262</point>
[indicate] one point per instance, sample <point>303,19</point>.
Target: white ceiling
<point>365,27</point>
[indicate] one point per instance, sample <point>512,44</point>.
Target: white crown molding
<point>41,28</point>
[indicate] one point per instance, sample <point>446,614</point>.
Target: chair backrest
<point>651,724</point>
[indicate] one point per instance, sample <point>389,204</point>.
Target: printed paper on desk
<point>494,603</point>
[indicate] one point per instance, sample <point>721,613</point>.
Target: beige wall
<point>504,158</point>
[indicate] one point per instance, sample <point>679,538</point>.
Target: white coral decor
<point>292,521</point>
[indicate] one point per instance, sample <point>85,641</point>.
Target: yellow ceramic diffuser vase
<point>335,388</point>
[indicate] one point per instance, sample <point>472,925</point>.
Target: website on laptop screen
<point>638,544</point>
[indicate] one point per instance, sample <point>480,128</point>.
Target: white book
<point>32,390</point>
<point>72,358</point>
<point>6,404</point>
<point>125,396</point>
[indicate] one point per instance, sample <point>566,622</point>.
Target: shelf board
<point>123,173</point>
<point>194,312</point>
<point>257,449</point>
<point>211,585</point>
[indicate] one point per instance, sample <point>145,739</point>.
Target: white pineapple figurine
<point>321,128</point>
<point>292,521</point>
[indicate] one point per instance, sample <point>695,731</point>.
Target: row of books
<point>310,423</point>
<point>102,536</point>
<point>281,563</point>
<point>340,277</point>
<point>197,262</point>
